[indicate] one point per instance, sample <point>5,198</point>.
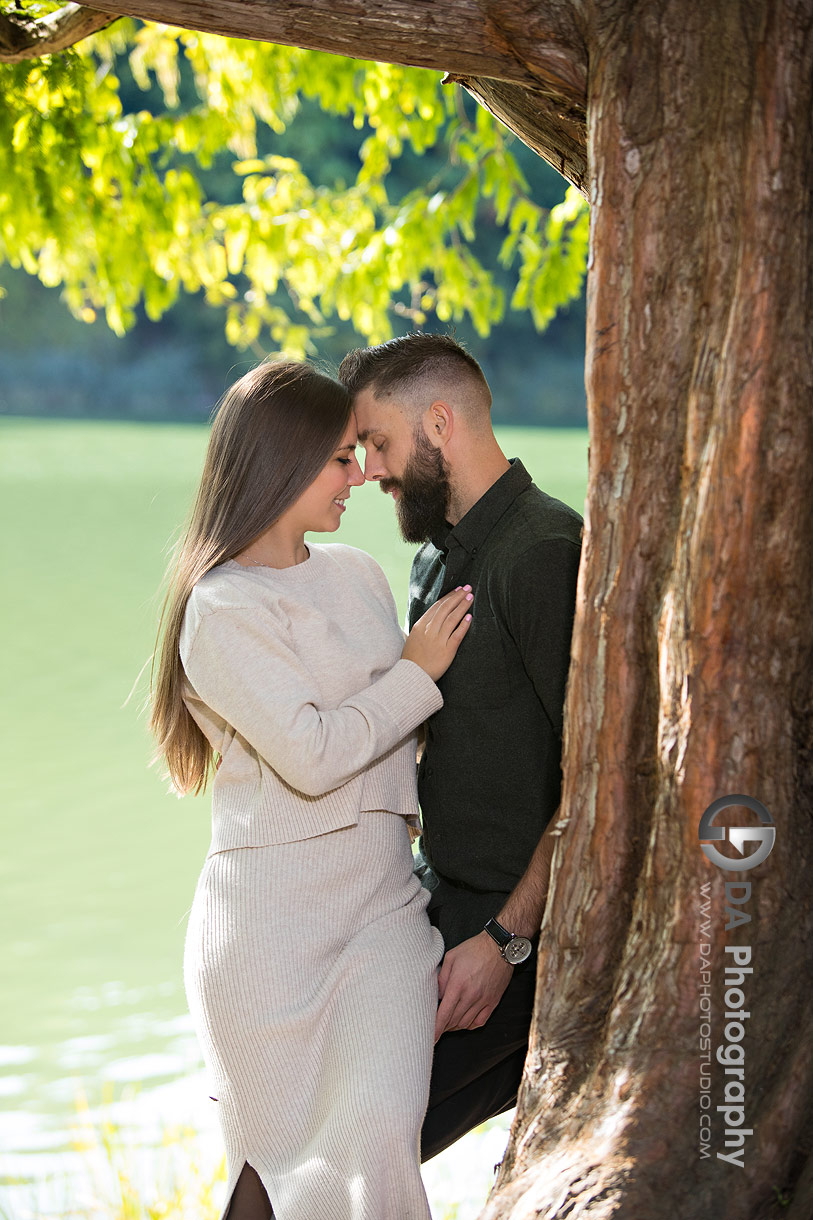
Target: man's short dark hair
<point>399,365</point>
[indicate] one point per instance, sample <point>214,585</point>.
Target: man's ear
<point>438,422</point>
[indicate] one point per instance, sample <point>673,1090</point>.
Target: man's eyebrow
<point>366,433</point>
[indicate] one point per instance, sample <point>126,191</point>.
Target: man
<point>489,779</point>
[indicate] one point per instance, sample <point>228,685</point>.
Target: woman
<point>310,965</point>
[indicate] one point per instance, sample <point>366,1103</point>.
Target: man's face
<point>405,464</point>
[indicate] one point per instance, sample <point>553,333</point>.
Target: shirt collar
<point>472,530</point>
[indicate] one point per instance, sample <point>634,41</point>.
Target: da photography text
<point>721,1035</point>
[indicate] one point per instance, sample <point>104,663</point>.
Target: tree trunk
<point>692,674</point>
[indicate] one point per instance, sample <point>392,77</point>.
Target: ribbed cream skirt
<point>310,970</point>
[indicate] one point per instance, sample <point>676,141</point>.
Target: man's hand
<point>471,983</point>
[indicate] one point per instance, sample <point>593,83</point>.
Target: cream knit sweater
<point>270,655</point>
<point>310,964</point>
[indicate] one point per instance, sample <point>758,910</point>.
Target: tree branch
<point>524,60</point>
<point>23,38</point>
<point>550,124</point>
<point>459,36</point>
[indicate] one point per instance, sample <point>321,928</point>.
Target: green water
<point>98,864</point>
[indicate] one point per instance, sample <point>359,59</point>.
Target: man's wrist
<point>519,926</point>
<point>513,949</point>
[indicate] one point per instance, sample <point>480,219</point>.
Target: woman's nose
<point>356,476</point>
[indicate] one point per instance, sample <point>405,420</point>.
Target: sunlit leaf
<point>113,206</point>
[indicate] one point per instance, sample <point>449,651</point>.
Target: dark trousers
<point>476,1072</point>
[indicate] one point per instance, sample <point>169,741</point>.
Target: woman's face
<point>319,509</point>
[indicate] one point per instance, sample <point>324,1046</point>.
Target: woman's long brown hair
<point>273,432</point>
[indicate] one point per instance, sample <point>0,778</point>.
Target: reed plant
<point>120,1179</point>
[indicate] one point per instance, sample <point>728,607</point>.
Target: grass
<point>176,1179</point>
<point>183,1189</point>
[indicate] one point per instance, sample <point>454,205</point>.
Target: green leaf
<point>119,208</point>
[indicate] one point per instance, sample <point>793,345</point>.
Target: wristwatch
<point>514,949</point>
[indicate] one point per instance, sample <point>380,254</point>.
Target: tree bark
<point>553,127</point>
<point>692,673</point>
<point>456,35</point>
<point>23,38</point>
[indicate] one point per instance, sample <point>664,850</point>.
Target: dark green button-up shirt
<point>490,777</point>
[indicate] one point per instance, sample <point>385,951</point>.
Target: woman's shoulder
<point>357,563</point>
<point>222,587</point>
<point>361,570</point>
<point>229,592</point>
<point>226,600</point>
<point>348,557</point>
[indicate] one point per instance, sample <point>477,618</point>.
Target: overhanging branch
<point>23,38</point>
<point>458,36</point>
<point>553,126</point>
<point>526,62</point>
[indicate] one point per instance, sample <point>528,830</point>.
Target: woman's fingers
<point>433,641</point>
<point>454,604</point>
<point>448,611</point>
<point>461,628</point>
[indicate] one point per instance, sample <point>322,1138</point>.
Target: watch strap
<point>498,933</point>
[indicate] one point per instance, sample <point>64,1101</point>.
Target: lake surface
<point>99,864</point>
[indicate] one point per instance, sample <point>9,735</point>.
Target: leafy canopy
<point>112,205</point>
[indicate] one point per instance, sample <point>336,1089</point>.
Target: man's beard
<point>424,491</point>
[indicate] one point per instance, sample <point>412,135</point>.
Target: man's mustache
<point>388,485</point>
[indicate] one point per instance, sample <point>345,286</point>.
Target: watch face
<point>517,949</point>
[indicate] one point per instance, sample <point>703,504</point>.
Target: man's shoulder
<point>535,519</point>
<point>547,515</point>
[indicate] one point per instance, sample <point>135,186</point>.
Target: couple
<point>311,966</point>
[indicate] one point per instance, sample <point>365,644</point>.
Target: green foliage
<point>111,204</point>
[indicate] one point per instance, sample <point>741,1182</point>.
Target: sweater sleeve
<point>241,664</point>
